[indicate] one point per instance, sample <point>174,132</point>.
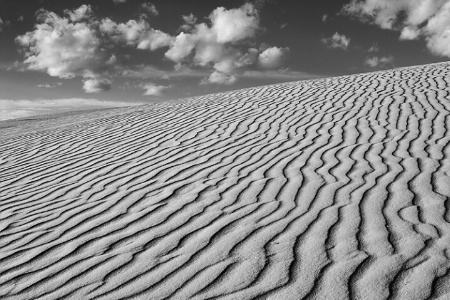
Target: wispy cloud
<point>374,48</point>
<point>49,85</point>
<point>280,75</point>
<point>150,8</point>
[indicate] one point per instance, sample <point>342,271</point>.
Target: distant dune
<point>333,188</point>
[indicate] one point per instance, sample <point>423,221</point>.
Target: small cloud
<point>409,33</point>
<point>272,57</point>
<point>153,89</point>
<point>337,41</point>
<point>325,18</point>
<point>189,22</point>
<point>219,78</point>
<point>96,85</point>
<point>82,13</point>
<point>4,24</point>
<point>283,25</point>
<point>112,60</point>
<point>150,8</point>
<point>374,48</point>
<point>119,1</point>
<point>20,19</point>
<point>379,62</point>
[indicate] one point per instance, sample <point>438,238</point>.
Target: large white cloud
<point>413,18</point>
<point>214,43</point>
<point>221,44</point>
<point>62,47</point>
<point>79,44</point>
<point>235,24</point>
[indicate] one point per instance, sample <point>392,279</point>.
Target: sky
<point>58,56</point>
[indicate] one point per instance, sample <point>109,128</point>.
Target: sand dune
<point>334,188</point>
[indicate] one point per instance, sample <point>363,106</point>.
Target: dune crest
<point>334,188</point>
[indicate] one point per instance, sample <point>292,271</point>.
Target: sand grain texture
<point>334,188</point>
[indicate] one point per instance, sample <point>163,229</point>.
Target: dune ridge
<point>334,188</point>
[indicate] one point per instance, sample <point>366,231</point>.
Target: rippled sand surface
<point>334,188</point>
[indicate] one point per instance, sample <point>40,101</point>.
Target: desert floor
<point>335,188</point>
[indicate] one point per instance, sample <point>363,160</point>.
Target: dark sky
<point>303,38</point>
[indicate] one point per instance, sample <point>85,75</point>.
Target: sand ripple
<point>334,188</point>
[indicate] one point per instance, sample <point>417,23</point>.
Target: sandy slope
<point>326,189</point>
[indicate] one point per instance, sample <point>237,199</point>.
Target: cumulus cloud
<point>84,12</point>
<point>235,24</point>
<point>78,44</point>
<point>409,33</point>
<point>63,47</point>
<point>210,42</point>
<point>379,62</point>
<point>429,19</point>
<point>96,85</point>
<point>153,89</point>
<point>136,33</point>
<point>337,41</point>
<point>221,44</point>
<point>272,57</point>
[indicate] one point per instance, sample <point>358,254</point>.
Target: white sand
<point>334,188</point>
